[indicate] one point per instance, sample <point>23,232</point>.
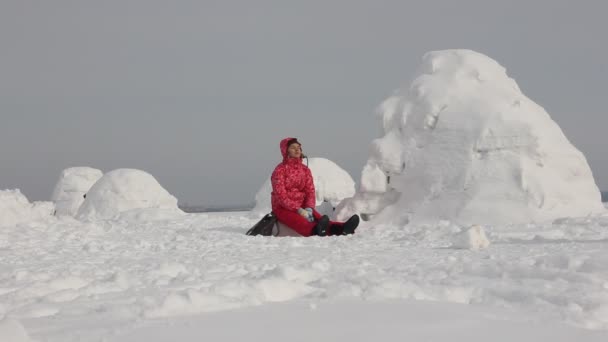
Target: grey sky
<point>199,93</point>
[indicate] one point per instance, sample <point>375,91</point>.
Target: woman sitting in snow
<point>293,196</point>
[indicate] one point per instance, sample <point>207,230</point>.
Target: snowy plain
<point>200,277</point>
<point>462,145</point>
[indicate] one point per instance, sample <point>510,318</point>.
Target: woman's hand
<point>307,214</point>
<point>311,217</point>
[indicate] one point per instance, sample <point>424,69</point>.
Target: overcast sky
<point>199,93</point>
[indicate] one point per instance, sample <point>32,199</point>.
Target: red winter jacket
<point>292,184</point>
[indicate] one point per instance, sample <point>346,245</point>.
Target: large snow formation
<point>463,143</point>
<point>332,185</point>
<point>73,184</point>
<point>15,209</point>
<point>127,193</point>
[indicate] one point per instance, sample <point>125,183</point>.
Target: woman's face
<point>294,150</point>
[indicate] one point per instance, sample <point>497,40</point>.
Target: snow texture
<point>71,187</point>
<point>332,185</point>
<point>12,331</point>
<point>462,143</point>
<point>15,209</point>
<point>359,321</point>
<point>89,281</point>
<point>128,194</point>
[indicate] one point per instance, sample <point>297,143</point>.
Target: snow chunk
<point>15,208</point>
<point>11,330</point>
<point>463,143</point>
<point>332,185</point>
<point>188,302</point>
<point>472,238</point>
<point>127,192</point>
<point>71,187</point>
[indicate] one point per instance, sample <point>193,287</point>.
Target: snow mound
<point>332,185</point>
<point>15,208</point>
<point>472,238</point>
<point>72,185</point>
<point>13,331</point>
<point>463,143</point>
<point>128,193</point>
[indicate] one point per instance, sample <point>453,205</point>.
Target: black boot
<point>321,227</point>
<point>351,225</point>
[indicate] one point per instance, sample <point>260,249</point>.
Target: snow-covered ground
<point>462,143</point>
<point>198,277</point>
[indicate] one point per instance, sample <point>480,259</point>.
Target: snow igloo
<point>71,187</point>
<point>332,185</point>
<point>463,143</point>
<point>127,193</point>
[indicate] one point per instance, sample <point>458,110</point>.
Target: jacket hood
<point>283,146</point>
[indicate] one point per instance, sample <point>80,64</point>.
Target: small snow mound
<point>473,238</point>
<point>188,302</point>
<point>15,208</point>
<point>12,331</point>
<point>332,185</point>
<point>463,143</point>
<point>126,191</point>
<point>71,187</point>
<point>170,269</point>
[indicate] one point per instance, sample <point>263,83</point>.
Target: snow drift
<point>463,143</point>
<point>72,185</point>
<point>128,193</point>
<point>15,208</point>
<point>332,185</point>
